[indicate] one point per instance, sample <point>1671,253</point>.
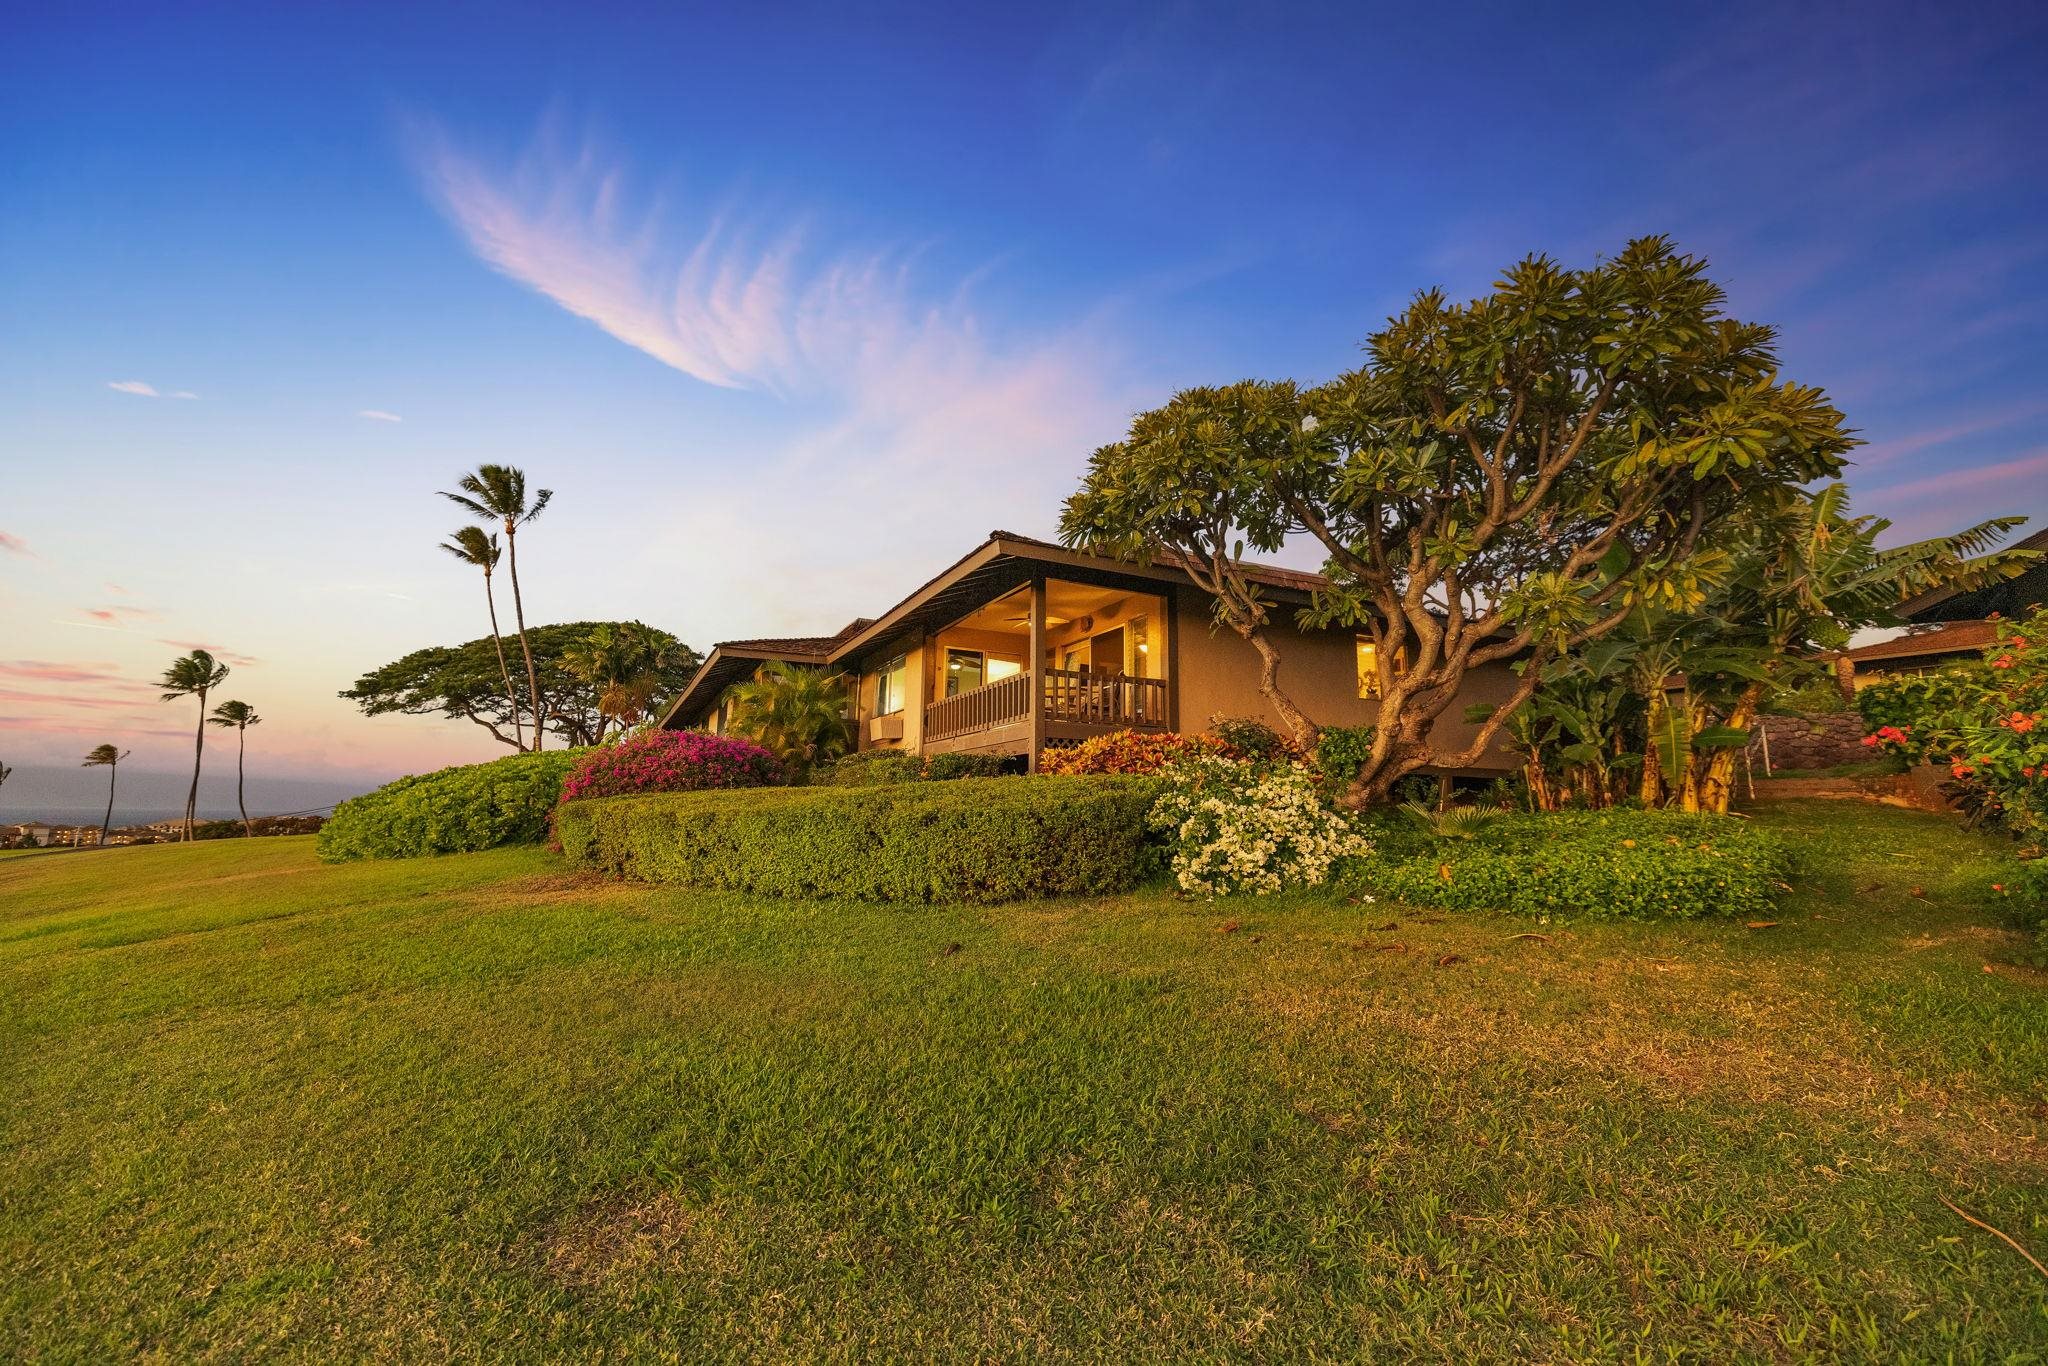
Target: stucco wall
<point>1219,676</point>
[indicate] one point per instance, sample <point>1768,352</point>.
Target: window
<point>999,669</point>
<point>964,670</point>
<point>1369,666</point>
<point>889,688</point>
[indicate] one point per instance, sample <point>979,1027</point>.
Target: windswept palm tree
<point>241,716</point>
<point>194,675</point>
<point>797,714</point>
<point>474,545</point>
<point>498,493</point>
<point>111,758</point>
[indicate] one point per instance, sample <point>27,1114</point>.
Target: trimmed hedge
<point>880,767</point>
<point>1640,865</point>
<point>978,839</point>
<point>452,811</point>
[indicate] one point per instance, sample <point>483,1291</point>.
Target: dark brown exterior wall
<point>1217,673</point>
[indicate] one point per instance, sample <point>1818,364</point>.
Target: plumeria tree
<point>1503,480</point>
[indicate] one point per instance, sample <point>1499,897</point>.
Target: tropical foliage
<point>800,715</point>
<point>465,682</point>
<point>1235,827</point>
<point>1129,751</point>
<point>1502,480</point>
<point>452,811</point>
<point>479,548</point>
<point>194,675</point>
<point>497,493</point>
<point>238,717</point>
<point>108,757</point>
<point>670,761</point>
<point>627,664</point>
<point>1986,720</point>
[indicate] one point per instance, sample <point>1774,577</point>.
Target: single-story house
<point>1950,624</point>
<point>1023,644</point>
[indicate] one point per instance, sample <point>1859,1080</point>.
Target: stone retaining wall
<point>1812,741</point>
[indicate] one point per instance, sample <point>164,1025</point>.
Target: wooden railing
<point>982,708</point>
<point>1105,699</point>
<point>1108,700</point>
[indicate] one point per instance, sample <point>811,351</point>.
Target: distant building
<point>1950,623</point>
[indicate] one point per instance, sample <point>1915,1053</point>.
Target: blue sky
<point>791,305</point>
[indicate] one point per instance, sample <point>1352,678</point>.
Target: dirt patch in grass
<point>630,1236</point>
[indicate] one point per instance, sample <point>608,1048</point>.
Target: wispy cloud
<point>144,389</point>
<point>2020,474</point>
<point>14,545</point>
<point>378,415</point>
<point>219,652</point>
<point>118,614</point>
<point>45,671</point>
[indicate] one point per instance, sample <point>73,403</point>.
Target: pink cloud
<point>1883,452</point>
<point>14,544</point>
<point>2015,472</point>
<point>116,615</point>
<point>224,655</point>
<point>43,671</point>
<point>19,696</point>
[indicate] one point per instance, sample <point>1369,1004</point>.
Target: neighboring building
<point>1024,644</point>
<point>1951,624</point>
<point>33,833</point>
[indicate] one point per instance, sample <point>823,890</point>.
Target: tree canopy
<point>466,681</point>
<point>1503,479</point>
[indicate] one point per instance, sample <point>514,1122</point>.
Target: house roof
<point>1002,562</point>
<point>2009,597</point>
<point>1948,638</point>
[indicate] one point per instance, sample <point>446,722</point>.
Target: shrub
<point>1235,826</point>
<point>880,767</point>
<point>476,806</point>
<point>978,839</point>
<point>1247,737</point>
<point>2022,893</point>
<point>1987,721</point>
<point>670,761</point>
<point>1646,865</point>
<point>1127,752</point>
<point>1341,751</point>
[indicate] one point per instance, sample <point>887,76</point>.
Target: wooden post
<point>1171,599</point>
<point>1037,673</point>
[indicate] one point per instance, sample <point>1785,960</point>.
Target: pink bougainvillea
<point>671,761</point>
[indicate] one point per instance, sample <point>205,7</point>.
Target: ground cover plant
<point>256,1106</point>
<point>977,839</point>
<point>452,810</point>
<point>1646,865</point>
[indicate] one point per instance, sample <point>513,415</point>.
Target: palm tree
<point>194,675</point>
<point>796,713</point>
<point>110,757</point>
<point>241,716</point>
<point>474,545</point>
<point>498,493</point>
<point>624,663</point>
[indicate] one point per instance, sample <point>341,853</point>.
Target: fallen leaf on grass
<point>1390,925</point>
<point>949,950</point>
<point>1531,934</point>
<point>1449,959</point>
<point>1764,924</point>
<point>1228,927</point>
<point>1393,948</point>
<point>1920,892</point>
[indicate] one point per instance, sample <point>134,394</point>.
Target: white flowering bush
<point>1237,827</point>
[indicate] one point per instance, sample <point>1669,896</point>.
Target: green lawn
<point>472,1107</point>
